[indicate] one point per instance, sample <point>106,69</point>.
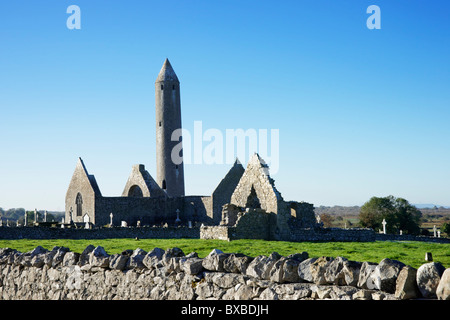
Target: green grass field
<point>410,253</point>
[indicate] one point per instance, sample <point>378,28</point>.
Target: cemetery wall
<point>406,237</point>
<point>94,274</point>
<point>332,234</point>
<point>255,228</point>
<point>10,233</point>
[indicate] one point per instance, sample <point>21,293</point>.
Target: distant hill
<point>354,210</point>
<point>429,206</point>
<point>338,210</point>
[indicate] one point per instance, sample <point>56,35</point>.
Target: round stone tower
<point>169,162</point>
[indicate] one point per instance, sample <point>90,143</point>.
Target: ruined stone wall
<point>216,232</point>
<point>152,211</point>
<point>169,274</point>
<point>331,234</point>
<point>9,233</point>
<point>255,224</point>
<point>147,210</point>
<point>206,232</point>
<point>304,213</point>
<point>223,192</point>
<point>255,228</point>
<point>407,237</point>
<point>196,209</point>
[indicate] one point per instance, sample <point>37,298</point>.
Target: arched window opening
<point>79,204</point>
<point>164,185</point>
<point>135,191</point>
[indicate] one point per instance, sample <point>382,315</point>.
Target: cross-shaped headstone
<point>111,219</point>
<point>35,215</point>
<point>434,230</point>
<point>384,226</point>
<point>70,215</point>
<point>25,220</point>
<point>45,216</point>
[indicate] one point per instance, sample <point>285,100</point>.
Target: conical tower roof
<point>167,73</point>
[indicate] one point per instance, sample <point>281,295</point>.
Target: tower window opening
<point>164,185</point>
<point>160,123</point>
<point>162,87</point>
<point>173,87</point>
<point>176,166</point>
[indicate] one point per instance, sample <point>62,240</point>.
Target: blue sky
<point>360,112</point>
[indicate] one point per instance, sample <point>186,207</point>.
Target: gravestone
<point>384,226</point>
<point>86,221</point>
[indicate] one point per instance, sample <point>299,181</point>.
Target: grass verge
<point>409,252</point>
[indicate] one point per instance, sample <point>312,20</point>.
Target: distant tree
<point>407,217</point>
<point>446,228</point>
<point>398,213</point>
<point>326,219</point>
<point>374,211</point>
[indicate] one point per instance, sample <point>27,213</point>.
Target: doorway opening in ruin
<point>253,200</point>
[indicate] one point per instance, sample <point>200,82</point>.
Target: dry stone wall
<point>60,274</point>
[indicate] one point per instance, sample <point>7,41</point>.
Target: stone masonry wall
<point>197,209</point>
<point>205,232</point>
<point>10,233</point>
<point>223,192</point>
<point>60,274</point>
<point>332,234</point>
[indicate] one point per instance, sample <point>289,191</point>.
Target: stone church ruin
<point>245,204</point>
<point>246,199</point>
